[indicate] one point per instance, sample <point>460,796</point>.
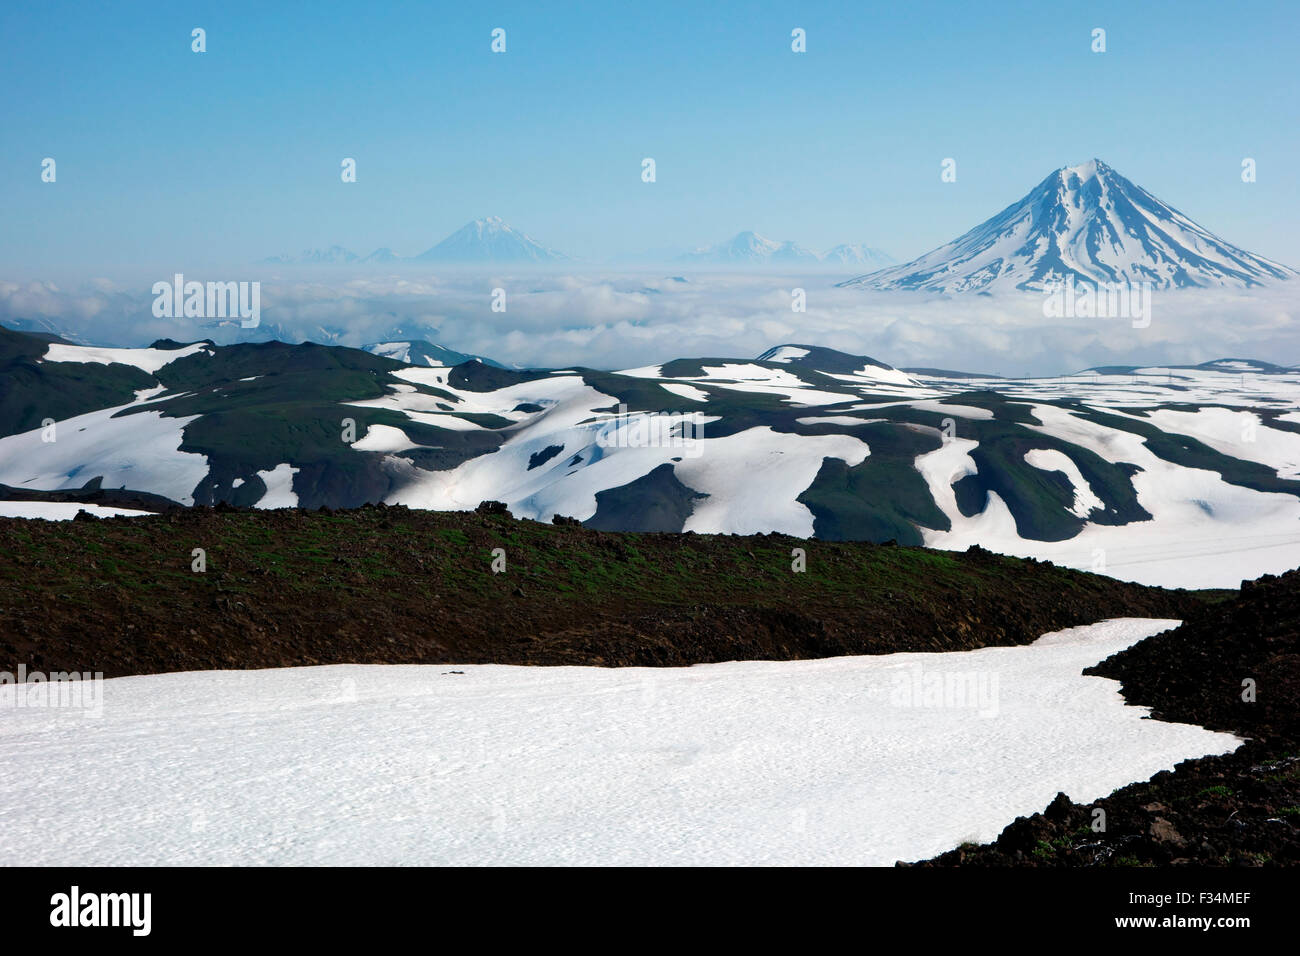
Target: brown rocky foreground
<point>392,585</point>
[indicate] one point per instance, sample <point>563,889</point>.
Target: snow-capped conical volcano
<point>1088,222</point>
<point>489,240</point>
<point>745,248</point>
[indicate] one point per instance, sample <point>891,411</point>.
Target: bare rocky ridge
<point>389,585</point>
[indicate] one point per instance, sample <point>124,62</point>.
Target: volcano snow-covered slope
<point>1175,476</point>
<point>1087,222</point>
<point>848,760</point>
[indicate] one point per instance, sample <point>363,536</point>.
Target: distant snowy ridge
<point>420,352</point>
<point>334,255</point>
<point>751,249</point>
<point>482,241</point>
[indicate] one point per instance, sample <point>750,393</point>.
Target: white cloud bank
<point>631,319</point>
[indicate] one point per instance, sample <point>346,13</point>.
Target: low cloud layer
<point>623,321</point>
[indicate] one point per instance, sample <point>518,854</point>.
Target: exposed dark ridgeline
<point>391,585</point>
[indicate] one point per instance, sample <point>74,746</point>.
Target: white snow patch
<point>802,762</point>
<point>1203,533</point>
<point>383,438</point>
<point>397,351</point>
<point>279,487</point>
<point>148,360</point>
<point>929,405</point>
<point>686,391</point>
<point>753,479</point>
<point>747,377</point>
<point>646,371</point>
<point>1238,433</point>
<point>61,510</point>
<point>837,420</point>
<point>140,451</point>
<point>944,467</point>
<point>1048,459</point>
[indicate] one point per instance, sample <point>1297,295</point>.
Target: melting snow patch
<point>1048,459</point>
<point>279,487</point>
<point>139,451</point>
<point>847,420</point>
<point>753,480</point>
<point>686,391</point>
<point>1203,533</point>
<point>844,761</point>
<point>383,438</point>
<point>61,510</point>
<point>148,360</point>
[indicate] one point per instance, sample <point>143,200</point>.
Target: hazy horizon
<point>173,159</point>
<point>634,318</point>
<point>170,161</point>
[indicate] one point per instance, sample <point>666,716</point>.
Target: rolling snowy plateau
<point>851,760</point>
<point>1182,476</point>
<point>748,249</point>
<point>1196,528</point>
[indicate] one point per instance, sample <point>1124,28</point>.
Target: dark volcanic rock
<point>394,585</point>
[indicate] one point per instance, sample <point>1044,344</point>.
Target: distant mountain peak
<point>423,352</point>
<point>1084,171</point>
<point>1090,223</point>
<point>488,240</point>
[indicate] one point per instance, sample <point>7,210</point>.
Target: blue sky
<point>171,159</point>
